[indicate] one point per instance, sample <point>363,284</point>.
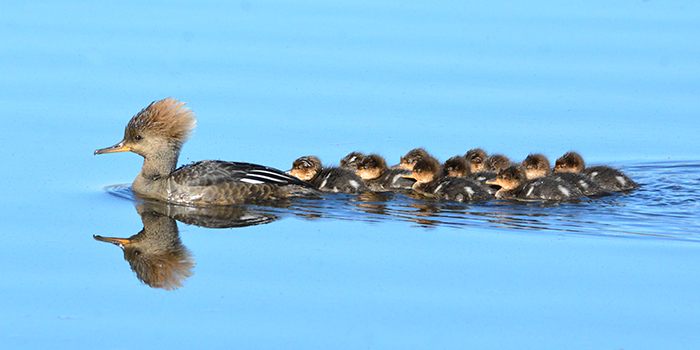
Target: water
<point>273,81</point>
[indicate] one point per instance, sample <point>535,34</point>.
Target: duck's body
<point>457,166</point>
<point>351,161</point>
<point>538,166</point>
<point>431,182</point>
<point>515,185</point>
<point>609,179</point>
<point>158,132</point>
<point>379,178</point>
<point>330,179</point>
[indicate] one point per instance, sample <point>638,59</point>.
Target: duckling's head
<point>476,157</point>
<point>570,162</point>
<point>305,168</point>
<point>496,163</point>
<point>160,128</point>
<point>536,165</point>
<point>457,166</point>
<point>425,170</point>
<point>509,178</point>
<point>351,160</point>
<point>371,167</point>
<point>410,159</point>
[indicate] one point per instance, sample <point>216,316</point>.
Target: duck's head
<point>476,157</point>
<point>536,165</point>
<point>413,156</point>
<point>456,166</point>
<point>509,178</point>
<point>305,168</point>
<point>371,167</point>
<point>351,160</point>
<point>570,162</point>
<point>496,163</point>
<point>425,170</point>
<point>160,128</point>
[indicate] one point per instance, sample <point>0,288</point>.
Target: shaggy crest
<point>169,118</point>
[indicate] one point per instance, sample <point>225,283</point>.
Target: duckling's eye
<point>138,137</point>
<point>137,252</point>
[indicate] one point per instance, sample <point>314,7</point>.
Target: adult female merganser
<point>515,185</point>
<point>537,165</point>
<point>378,177</point>
<point>157,133</point>
<point>431,182</point>
<point>608,178</point>
<point>332,179</point>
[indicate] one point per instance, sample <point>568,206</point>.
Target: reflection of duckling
<point>496,163</point>
<point>156,254</point>
<point>431,183</point>
<point>537,165</point>
<point>515,185</point>
<point>378,177</point>
<point>351,161</point>
<point>157,133</point>
<point>608,178</point>
<point>410,159</point>
<point>457,166</point>
<point>327,179</point>
<point>476,157</point>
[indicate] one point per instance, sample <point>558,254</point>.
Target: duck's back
<point>392,179</point>
<point>610,179</point>
<point>459,189</point>
<point>582,182</point>
<point>338,180</point>
<point>214,182</point>
<point>548,189</point>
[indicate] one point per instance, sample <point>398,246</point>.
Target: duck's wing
<point>213,172</point>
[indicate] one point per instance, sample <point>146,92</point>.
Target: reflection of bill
<point>156,254</point>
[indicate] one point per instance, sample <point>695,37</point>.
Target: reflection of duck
<point>156,254</point>
<point>413,156</point>
<point>515,185</point>
<point>351,160</point>
<point>476,157</point>
<point>326,179</point>
<point>608,178</point>
<point>537,165</point>
<point>157,133</point>
<point>430,182</point>
<point>378,177</point>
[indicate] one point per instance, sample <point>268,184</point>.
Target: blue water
<point>273,81</point>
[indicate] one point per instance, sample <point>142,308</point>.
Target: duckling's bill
<point>116,241</point>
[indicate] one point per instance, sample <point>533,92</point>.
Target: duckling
<point>476,158</point>
<point>351,161</point>
<point>610,179</point>
<point>378,177</point>
<point>515,185</point>
<point>496,163</point>
<point>457,166</point>
<point>410,159</point>
<point>331,179</point>
<point>158,132</point>
<point>537,166</point>
<point>431,182</point>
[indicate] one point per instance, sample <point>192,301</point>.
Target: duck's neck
<point>160,165</point>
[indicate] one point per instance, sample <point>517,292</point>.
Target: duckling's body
<point>330,179</point>
<point>515,185</point>
<point>431,182</point>
<point>379,178</point>
<point>538,166</point>
<point>609,179</point>
<point>157,133</point>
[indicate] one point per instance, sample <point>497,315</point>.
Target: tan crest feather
<point>169,118</point>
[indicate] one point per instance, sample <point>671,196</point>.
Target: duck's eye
<point>137,252</point>
<point>138,137</point>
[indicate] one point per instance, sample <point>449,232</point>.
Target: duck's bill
<point>408,176</point>
<point>117,241</point>
<point>492,182</point>
<point>120,147</point>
